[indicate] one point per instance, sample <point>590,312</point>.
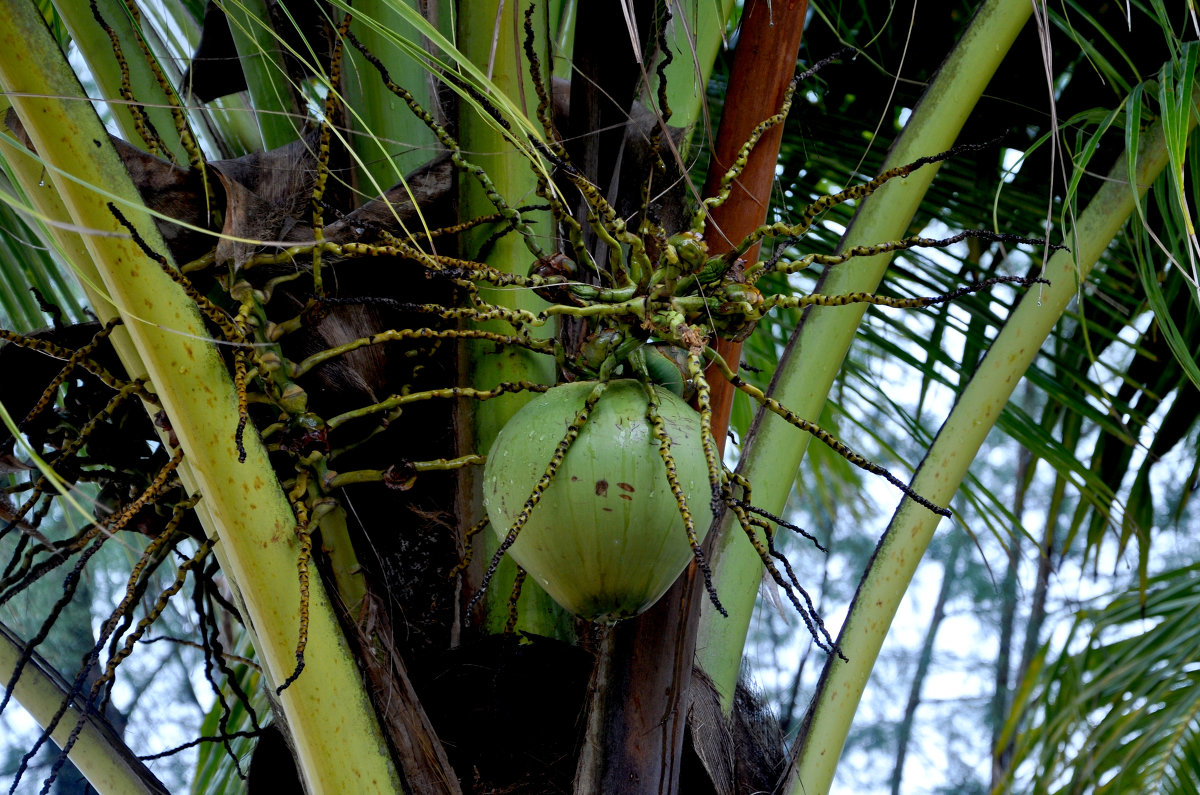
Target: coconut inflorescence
<point>607,536</point>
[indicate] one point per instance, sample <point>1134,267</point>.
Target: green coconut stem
<point>333,726</point>
<point>814,355</point>
<point>959,440</point>
<point>903,545</point>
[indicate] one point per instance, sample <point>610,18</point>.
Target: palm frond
<point>1119,710</point>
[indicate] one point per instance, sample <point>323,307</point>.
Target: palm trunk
<point>1001,697</point>
<point>639,702</point>
<point>1037,608</point>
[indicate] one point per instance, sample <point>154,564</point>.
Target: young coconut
<point>606,537</point>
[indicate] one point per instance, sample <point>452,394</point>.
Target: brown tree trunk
<point>924,659</point>
<point>1002,697</point>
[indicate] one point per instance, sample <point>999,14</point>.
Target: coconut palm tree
<point>324,253</point>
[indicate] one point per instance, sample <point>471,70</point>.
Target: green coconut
<point>606,540</point>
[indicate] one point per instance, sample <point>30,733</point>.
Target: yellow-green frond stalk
<point>164,339</point>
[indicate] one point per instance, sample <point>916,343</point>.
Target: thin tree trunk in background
<point>904,733</point>
<point>639,700</point>
<point>1037,608</point>
<point>789,709</point>
<point>1046,552</point>
<point>1008,608</point>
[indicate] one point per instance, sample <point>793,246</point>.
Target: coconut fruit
<point>607,539</point>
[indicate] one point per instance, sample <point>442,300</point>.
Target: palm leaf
<point>1120,710</point>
